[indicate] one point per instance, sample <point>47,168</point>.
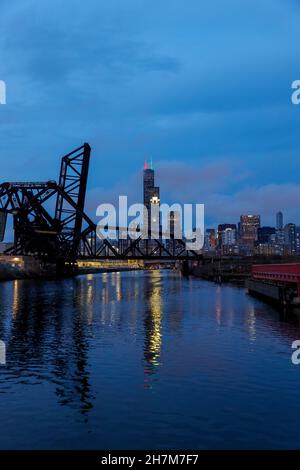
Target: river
<point>145,360</point>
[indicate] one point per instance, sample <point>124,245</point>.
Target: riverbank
<point>223,271</point>
<point>29,267</point>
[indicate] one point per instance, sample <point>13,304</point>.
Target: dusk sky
<point>201,87</point>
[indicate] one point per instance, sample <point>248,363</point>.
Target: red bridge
<point>282,274</point>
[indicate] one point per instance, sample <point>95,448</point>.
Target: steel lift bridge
<point>50,223</point>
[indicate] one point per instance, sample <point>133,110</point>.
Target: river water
<point>145,360</point>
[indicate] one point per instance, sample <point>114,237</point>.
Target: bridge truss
<point>50,223</point>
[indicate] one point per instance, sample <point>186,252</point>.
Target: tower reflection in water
<point>46,339</point>
<point>153,323</point>
<point>49,327</point>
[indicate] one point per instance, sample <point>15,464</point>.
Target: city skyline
<point>149,190</point>
<point>250,237</point>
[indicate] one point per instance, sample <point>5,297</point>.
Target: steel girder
<point>50,222</point>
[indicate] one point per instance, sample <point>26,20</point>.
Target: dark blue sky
<point>202,87</point>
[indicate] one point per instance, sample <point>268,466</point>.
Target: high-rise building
<point>151,196</point>
<point>210,241</point>
<point>229,237</point>
<point>279,221</point>
<point>266,241</point>
<point>175,223</point>
<point>280,237</point>
<point>290,244</point>
<point>222,228</point>
<point>297,240</point>
<point>175,228</point>
<point>249,225</point>
<point>264,235</point>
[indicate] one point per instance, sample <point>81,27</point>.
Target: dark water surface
<point>145,360</point>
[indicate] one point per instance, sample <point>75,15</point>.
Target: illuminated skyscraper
<point>280,235</point>
<point>210,240</point>
<point>249,225</point>
<point>290,242</point>
<point>151,195</point>
<point>226,234</point>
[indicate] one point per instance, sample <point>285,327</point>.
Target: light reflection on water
<point>145,360</point>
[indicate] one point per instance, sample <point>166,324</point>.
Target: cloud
<point>265,200</point>
<point>221,186</point>
<point>204,90</point>
<point>188,182</point>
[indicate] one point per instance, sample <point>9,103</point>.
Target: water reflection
<point>153,323</point>
<point>46,341</point>
<point>218,305</point>
<point>101,344</point>
<point>250,319</point>
<point>16,296</point>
